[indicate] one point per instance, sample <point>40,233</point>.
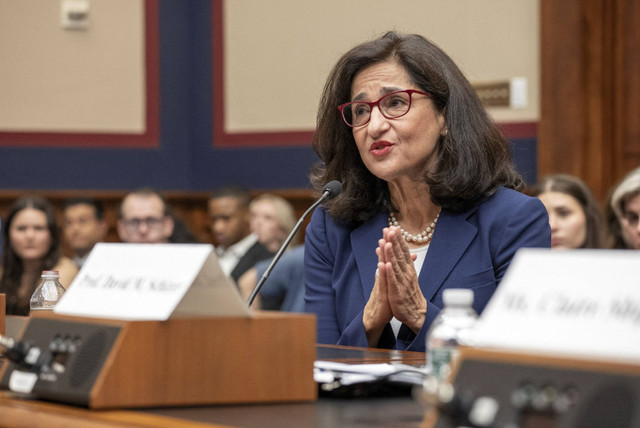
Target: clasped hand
<point>396,292</point>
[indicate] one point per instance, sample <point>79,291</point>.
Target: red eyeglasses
<point>392,106</point>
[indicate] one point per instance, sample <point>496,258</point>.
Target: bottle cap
<point>50,273</point>
<point>457,297</point>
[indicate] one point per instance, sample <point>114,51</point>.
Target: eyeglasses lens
<point>149,222</point>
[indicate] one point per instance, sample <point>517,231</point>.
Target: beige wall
<point>52,79</point>
<point>279,52</point>
<point>277,56</point>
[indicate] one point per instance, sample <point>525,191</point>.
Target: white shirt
<point>79,261</point>
<point>229,257</point>
<point>422,254</point>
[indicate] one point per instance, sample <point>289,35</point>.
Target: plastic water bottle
<point>48,292</point>
<point>451,328</point>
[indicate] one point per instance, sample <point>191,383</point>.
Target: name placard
<point>577,303</point>
<point>151,282</point>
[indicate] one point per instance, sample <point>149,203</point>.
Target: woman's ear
<point>444,129</point>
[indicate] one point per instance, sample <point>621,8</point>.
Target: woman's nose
<point>377,123</point>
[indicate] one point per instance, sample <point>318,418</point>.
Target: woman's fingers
<point>406,301</point>
<point>401,262</point>
<point>377,311</point>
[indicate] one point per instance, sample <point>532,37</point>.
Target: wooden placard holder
<point>181,361</point>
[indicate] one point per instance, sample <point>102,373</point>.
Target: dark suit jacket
<point>256,253</point>
<point>468,250</point>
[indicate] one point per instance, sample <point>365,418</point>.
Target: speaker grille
<point>87,360</point>
<point>612,405</point>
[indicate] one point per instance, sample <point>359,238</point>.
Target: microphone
<point>330,191</point>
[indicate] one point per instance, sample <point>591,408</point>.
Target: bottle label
<point>440,361</point>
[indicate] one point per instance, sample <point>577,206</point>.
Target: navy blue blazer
<point>472,250</point>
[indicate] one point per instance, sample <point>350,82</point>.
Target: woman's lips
<point>380,148</point>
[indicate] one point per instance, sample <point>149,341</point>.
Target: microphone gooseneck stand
<point>330,191</point>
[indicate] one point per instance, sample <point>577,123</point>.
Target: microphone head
<point>332,189</point>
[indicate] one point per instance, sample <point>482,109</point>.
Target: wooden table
<point>401,411</point>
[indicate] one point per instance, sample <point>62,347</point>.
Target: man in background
<point>145,218</point>
<point>83,226</point>
<point>237,248</point>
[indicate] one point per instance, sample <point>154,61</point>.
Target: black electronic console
<point>57,360</point>
<point>509,390</point>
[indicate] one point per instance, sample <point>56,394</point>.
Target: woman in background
<point>32,244</point>
<point>272,218</point>
<point>623,212</point>
<point>574,214</point>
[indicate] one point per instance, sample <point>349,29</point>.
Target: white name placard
<point>151,282</point>
<point>576,303</point>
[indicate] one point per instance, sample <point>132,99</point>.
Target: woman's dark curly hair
<point>473,158</point>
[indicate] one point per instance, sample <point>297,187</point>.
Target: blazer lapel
<point>451,238</point>
<point>364,241</point>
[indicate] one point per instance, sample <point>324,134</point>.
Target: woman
<point>574,214</point>
<point>423,168</point>
<point>623,212</point>
<point>32,244</point>
<point>272,218</point>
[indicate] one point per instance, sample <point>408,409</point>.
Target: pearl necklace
<point>423,237</point>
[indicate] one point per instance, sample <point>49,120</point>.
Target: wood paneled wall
<point>590,90</point>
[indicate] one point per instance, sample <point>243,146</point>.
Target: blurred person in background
<point>145,217</point>
<point>83,226</point>
<point>574,214</point>
<point>623,212</point>
<point>238,249</point>
<point>32,245</point>
<point>272,219</point>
